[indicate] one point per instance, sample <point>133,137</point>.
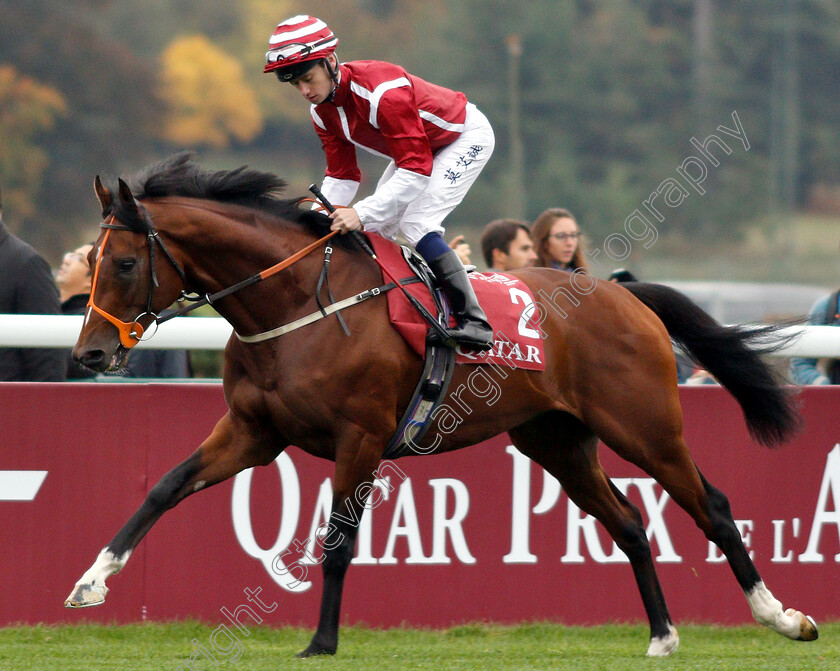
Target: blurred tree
<point>259,20</point>
<point>595,78</point>
<point>612,91</point>
<point>777,64</point>
<point>152,25</point>
<point>27,109</point>
<point>111,110</point>
<point>208,102</point>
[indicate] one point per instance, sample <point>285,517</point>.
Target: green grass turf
<point>158,647</point>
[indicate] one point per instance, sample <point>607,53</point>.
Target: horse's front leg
<point>341,540</point>
<point>229,449</point>
<point>353,477</point>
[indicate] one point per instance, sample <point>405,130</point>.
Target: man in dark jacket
<point>73,279</point>
<point>26,287</point>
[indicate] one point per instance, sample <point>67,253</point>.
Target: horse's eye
<point>125,265</point>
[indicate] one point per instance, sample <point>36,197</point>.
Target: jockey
<point>438,143</point>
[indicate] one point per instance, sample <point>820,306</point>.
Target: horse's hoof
<point>84,596</point>
<point>662,646</point>
<point>807,627</point>
<point>315,649</point>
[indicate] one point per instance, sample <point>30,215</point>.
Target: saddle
<point>511,310</point>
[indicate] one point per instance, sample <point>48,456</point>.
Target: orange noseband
<point>130,332</point>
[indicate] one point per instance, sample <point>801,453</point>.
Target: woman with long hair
<point>558,241</point>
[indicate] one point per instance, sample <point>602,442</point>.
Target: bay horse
<point>610,374</point>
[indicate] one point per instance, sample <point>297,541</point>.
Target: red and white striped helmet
<point>298,40</point>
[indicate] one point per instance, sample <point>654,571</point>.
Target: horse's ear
<point>106,200</point>
<point>125,193</point>
<point>127,199</point>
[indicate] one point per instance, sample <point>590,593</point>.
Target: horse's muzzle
<point>98,360</point>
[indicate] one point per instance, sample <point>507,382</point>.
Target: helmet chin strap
<point>334,75</point>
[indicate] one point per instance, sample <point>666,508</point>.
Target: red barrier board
<point>478,534</point>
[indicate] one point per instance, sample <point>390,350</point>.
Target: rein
<point>259,277</point>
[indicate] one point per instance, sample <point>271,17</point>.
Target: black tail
<point>732,354</point>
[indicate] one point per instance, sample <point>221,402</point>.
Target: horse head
<point>134,278</point>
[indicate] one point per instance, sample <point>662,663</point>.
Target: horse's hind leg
<point>658,449</point>
<point>567,449</point>
<point>766,609</point>
<point>227,451</point>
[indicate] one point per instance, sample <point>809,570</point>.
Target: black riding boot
<point>472,330</point>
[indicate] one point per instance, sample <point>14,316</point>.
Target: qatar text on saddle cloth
<point>508,302</point>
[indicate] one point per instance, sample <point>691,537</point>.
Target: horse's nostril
<point>94,359</point>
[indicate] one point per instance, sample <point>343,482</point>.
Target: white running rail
<point>212,333</point>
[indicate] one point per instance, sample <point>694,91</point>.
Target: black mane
<point>179,175</point>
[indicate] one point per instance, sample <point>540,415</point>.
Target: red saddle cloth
<point>507,301</point>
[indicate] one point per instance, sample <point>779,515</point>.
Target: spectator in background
<point>506,245</point>
<point>26,287</point>
<point>74,281</point>
<point>462,249</point>
<point>558,241</point>
<point>825,312</point>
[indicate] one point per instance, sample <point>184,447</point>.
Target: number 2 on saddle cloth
<point>511,311</point>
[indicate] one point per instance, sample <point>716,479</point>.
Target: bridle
<point>132,332</point>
